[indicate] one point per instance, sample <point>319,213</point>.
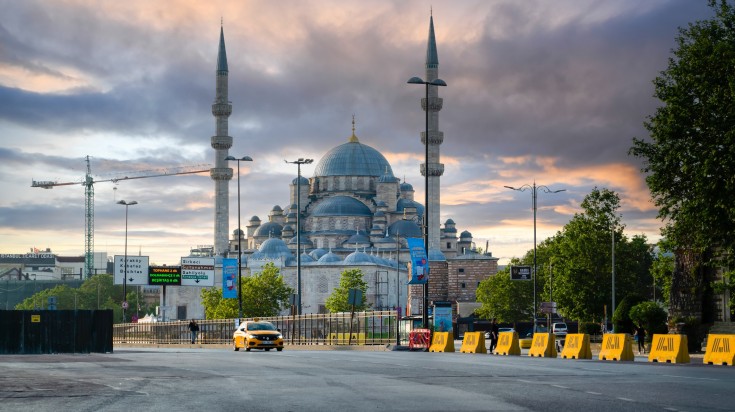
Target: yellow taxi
<point>257,334</point>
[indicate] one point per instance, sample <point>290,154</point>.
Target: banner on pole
<point>419,265</point>
<point>229,278</point>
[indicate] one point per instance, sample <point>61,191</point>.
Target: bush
<point>590,328</point>
<point>651,317</point>
<point>621,317</point>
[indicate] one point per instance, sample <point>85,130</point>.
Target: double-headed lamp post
<point>534,194</point>
<point>436,82</point>
<point>239,232</point>
<point>298,162</point>
<point>125,265</point>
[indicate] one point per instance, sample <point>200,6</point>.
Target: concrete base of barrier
<point>543,345</point>
<point>577,346</point>
<point>508,344</point>
<point>616,347</point>
<point>720,350</point>
<point>473,342</point>
<point>669,349</point>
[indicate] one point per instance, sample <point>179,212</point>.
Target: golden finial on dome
<point>353,138</point>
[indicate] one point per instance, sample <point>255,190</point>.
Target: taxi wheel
<point>234,345</point>
<point>279,349</point>
<point>267,349</point>
<point>247,349</point>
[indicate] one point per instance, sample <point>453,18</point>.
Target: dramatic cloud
<point>538,91</point>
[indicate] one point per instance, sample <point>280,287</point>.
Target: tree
<point>580,257</point>
<point>690,157</point>
<point>338,300</point>
<point>263,294</point>
<point>507,300</point>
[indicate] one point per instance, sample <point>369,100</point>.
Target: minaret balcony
<point>221,142</point>
<point>220,173</point>
<point>434,137</point>
<point>435,103</point>
<point>435,169</point>
<point>221,109</point>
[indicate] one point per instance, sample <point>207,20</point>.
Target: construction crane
<point>88,183</point>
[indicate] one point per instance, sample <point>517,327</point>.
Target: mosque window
<point>449,245</point>
<point>323,284</point>
<point>463,285</point>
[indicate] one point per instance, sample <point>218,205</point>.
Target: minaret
<point>436,137</point>
<point>221,142</point>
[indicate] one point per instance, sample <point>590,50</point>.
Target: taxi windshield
<point>261,326</point>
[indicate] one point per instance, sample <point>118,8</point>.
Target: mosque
<point>352,213</point>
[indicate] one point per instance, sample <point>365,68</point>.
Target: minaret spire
<point>221,143</point>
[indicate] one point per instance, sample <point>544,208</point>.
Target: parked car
<point>559,329</point>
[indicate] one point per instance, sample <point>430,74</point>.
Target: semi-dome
<point>359,238</point>
<point>304,181</point>
<point>271,229</point>
<point>353,159</point>
<point>406,187</point>
<point>272,248</point>
<point>341,206</point>
<point>465,235</point>
<point>405,228</point>
<point>317,253</point>
<point>404,203</point>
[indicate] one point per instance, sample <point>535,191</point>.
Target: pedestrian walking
<point>194,328</point>
<point>494,331</point>
<point>640,337</point>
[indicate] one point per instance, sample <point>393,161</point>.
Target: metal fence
<point>364,328</point>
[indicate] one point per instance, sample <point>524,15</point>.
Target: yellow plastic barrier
<point>473,342</point>
<point>616,346</point>
<point>508,344</point>
<point>543,345</point>
<point>344,338</point>
<point>720,350</point>
<point>442,342</point>
<point>577,346</point>
<point>669,348</point>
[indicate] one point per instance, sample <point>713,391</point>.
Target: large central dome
<point>353,159</point>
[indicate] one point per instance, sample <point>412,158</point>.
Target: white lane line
<point>594,393</point>
<point>560,387</point>
<point>670,409</point>
<point>690,377</point>
<point>626,399</point>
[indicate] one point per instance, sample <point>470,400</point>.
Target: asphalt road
<point>197,379</point>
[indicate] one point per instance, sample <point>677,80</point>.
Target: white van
<point>559,329</point>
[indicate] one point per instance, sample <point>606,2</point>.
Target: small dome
<point>318,253</point>
<point>381,203</point>
<point>341,206</point>
<point>306,258</point>
<point>304,181</point>
<point>405,228</point>
<point>287,228</point>
<point>277,208</point>
<point>358,258</point>
<point>271,229</point>
<point>236,232</point>
<point>379,213</point>
<point>254,219</point>
<point>465,234</point>
<point>406,187</point>
<point>329,258</point>
<point>304,241</point>
<point>359,239</point>
<point>449,222</point>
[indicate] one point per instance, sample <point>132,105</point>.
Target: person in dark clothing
<point>494,331</point>
<point>194,328</point>
<point>640,337</point>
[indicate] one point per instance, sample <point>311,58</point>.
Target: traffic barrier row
<point>614,347</point>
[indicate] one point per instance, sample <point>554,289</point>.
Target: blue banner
<point>419,265</point>
<point>229,278</point>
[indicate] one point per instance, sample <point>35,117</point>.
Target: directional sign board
<point>136,270</point>
<point>197,271</point>
<point>548,307</point>
<point>520,273</point>
<point>164,275</point>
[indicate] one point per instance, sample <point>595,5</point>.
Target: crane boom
<point>88,182</point>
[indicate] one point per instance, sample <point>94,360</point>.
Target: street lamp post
<point>125,265</point>
<point>435,82</point>
<point>239,233</point>
<point>300,161</point>
<point>534,194</point>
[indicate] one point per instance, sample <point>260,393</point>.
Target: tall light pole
<point>534,194</point>
<point>300,161</point>
<point>125,270</point>
<point>436,82</point>
<point>613,273</point>
<point>239,233</point>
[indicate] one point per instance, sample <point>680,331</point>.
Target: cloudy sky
<point>538,90</point>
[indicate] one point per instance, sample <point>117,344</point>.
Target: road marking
<point>670,409</point>
<point>560,387</point>
<point>689,377</point>
<point>626,399</point>
<point>594,393</point>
